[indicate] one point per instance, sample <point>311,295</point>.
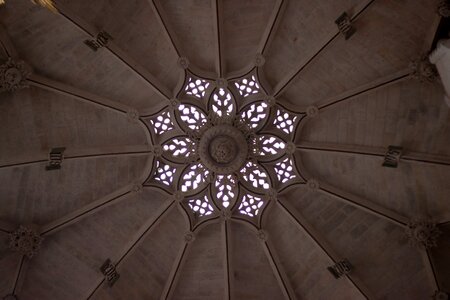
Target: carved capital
<point>13,75</point>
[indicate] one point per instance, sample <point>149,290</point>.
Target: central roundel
<point>223,149</point>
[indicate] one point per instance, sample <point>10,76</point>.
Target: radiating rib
<point>89,29</point>
<point>7,227</point>
<point>320,240</point>
<point>278,270</point>
<point>163,20</point>
<point>429,267</point>
<point>271,27</point>
<point>136,240</point>
<point>71,153</point>
<point>6,44</point>
<point>364,204</point>
<point>372,151</point>
<point>367,88</point>
<point>225,226</point>
<point>87,210</point>
<point>67,90</point>
<point>20,275</point>
<point>175,271</point>
<point>218,22</point>
<point>285,82</point>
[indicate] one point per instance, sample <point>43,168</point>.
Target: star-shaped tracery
<point>223,146</point>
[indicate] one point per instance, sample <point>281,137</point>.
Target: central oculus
<point>223,149</point>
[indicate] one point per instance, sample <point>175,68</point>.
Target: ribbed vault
<point>122,194</point>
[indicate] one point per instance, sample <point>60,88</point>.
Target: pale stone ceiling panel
<point>304,28</point>
<point>243,27</point>
<point>411,189</point>
<point>33,195</point>
<point>143,38</point>
<point>193,24</point>
<point>377,249</point>
<point>146,269</point>
<point>389,36</point>
<point>55,47</point>
<point>305,263</point>
<point>253,277</point>
<point>68,264</point>
<point>408,114</point>
<point>202,275</point>
<point>45,120</point>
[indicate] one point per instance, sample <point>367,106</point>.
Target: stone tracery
<point>225,138</point>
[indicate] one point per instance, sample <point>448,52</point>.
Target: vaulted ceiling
<point>90,210</point>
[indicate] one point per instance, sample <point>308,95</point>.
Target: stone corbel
<point>441,58</point>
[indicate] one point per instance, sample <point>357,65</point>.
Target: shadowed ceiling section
<point>303,29</point>
<point>389,36</point>
<point>143,38</point>
<point>305,263</point>
<point>48,41</point>
<point>412,190</point>
<point>68,264</point>
<point>146,269</point>
<point>252,277</point>
<point>46,120</point>
<point>377,249</point>
<point>245,22</point>
<point>36,196</point>
<point>202,274</point>
<point>193,24</point>
<point>407,113</point>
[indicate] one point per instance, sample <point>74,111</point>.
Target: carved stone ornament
<point>422,233</point>
<point>423,70</point>
<point>312,111</point>
<point>189,237</point>
<point>223,149</point>
<point>259,60</point>
<point>440,295</point>
<point>132,115</point>
<point>262,235</point>
<point>13,75</point>
<point>444,9</point>
<point>223,146</point>
<point>25,240</point>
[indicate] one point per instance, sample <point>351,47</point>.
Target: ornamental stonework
<point>13,75</point>
<point>422,233</point>
<point>235,146</point>
<point>25,241</point>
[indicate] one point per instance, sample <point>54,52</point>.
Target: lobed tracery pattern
<point>255,176</point>
<point>225,186</point>
<point>162,123</point>
<point>247,86</point>
<point>196,87</point>
<point>201,206</point>
<point>182,147</point>
<point>250,205</point>
<point>193,117</point>
<point>195,176</point>
<point>164,173</point>
<point>222,103</point>
<point>285,121</point>
<point>285,170</point>
<point>254,114</point>
<point>269,145</point>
